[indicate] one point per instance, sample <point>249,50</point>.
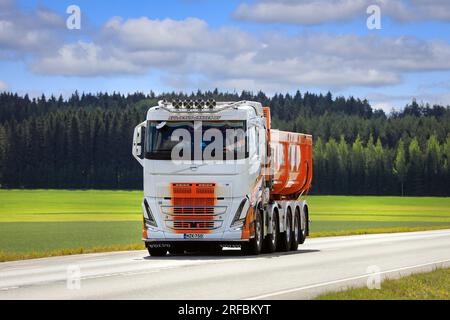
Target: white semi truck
<point>217,175</point>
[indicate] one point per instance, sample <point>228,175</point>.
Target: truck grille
<point>193,202</point>
<point>193,207</point>
<point>193,210</point>
<point>189,225</point>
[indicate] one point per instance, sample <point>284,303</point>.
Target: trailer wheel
<point>303,225</point>
<point>286,237</point>
<point>254,246</point>
<point>271,241</point>
<point>296,230</point>
<point>157,252</point>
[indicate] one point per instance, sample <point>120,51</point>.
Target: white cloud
<point>190,34</point>
<point>3,86</point>
<point>84,59</point>
<point>311,12</point>
<point>21,33</point>
<point>233,58</point>
<point>190,54</point>
<point>322,60</point>
<point>417,10</point>
<point>306,12</point>
<point>6,4</point>
<point>138,45</point>
<point>389,102</point>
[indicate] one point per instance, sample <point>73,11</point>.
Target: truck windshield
<point>213,140</point>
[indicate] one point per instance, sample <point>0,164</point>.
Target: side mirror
<point>139,142</point>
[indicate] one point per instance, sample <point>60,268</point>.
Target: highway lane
<point>320,265</point>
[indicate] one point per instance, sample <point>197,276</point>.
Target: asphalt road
<point>318,266</point>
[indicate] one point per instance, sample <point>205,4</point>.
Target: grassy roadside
<point>41,223</point>
<point>433,285</point>
<point>375,231</point>
<point>5,256</point>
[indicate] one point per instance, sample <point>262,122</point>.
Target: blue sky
<point>269,45</point>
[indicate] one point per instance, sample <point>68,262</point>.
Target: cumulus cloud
<point>189,53</point>
<point>136,46</point>
<point>306,12</point>
<point>190,34</point>
<point>389,102</point>
<point>312,12</point>
<point>234,59</point>
<point>21,33</point>
<point>3,86</point>
<point>321,60</point>
<point>84,59</point>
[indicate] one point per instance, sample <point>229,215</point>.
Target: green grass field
<point>426,286</point>
<point>36,223</point>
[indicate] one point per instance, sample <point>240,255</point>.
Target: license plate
<point>193,235</point>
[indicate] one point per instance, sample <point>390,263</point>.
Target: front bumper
<point>154,235</point>
<point>193,245</point>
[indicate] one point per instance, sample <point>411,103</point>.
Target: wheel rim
<point>303,223</point>
<point>288,230</point>
<point>258,232</point>
<point>274,232</point>
<point>296,227</point>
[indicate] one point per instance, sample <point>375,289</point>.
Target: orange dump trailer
<point>290,168</point>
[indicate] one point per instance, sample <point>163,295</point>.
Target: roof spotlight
<point>211,103</point>
<point>176,103</point>
<point>199,103</point>
<point>188,104</point>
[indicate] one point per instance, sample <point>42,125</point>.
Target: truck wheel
<point>296,230</point>
<point>157,252</point>
<point>286,237</point>
<point>253,246</point>
<point>271,241</point>
<point>303,226</point>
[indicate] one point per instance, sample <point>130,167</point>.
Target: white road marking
<point>277,293</point>
<point>8,288</point>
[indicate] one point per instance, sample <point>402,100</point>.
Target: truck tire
<point>304,223</point>
<point>254,246</point>
<point>286,237</point>
<point>157,252</point>
<point>296,230</point>
<point>271,241</point>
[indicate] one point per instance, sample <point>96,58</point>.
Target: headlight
<point>148,218</point>
<point>239,220</point>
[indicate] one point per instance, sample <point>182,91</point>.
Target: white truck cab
<point>205,177</point>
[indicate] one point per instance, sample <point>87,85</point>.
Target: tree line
<point>84,141</point>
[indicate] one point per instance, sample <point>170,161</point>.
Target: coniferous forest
<point>84,142</point>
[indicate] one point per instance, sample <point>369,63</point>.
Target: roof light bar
<point>190,104</point>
